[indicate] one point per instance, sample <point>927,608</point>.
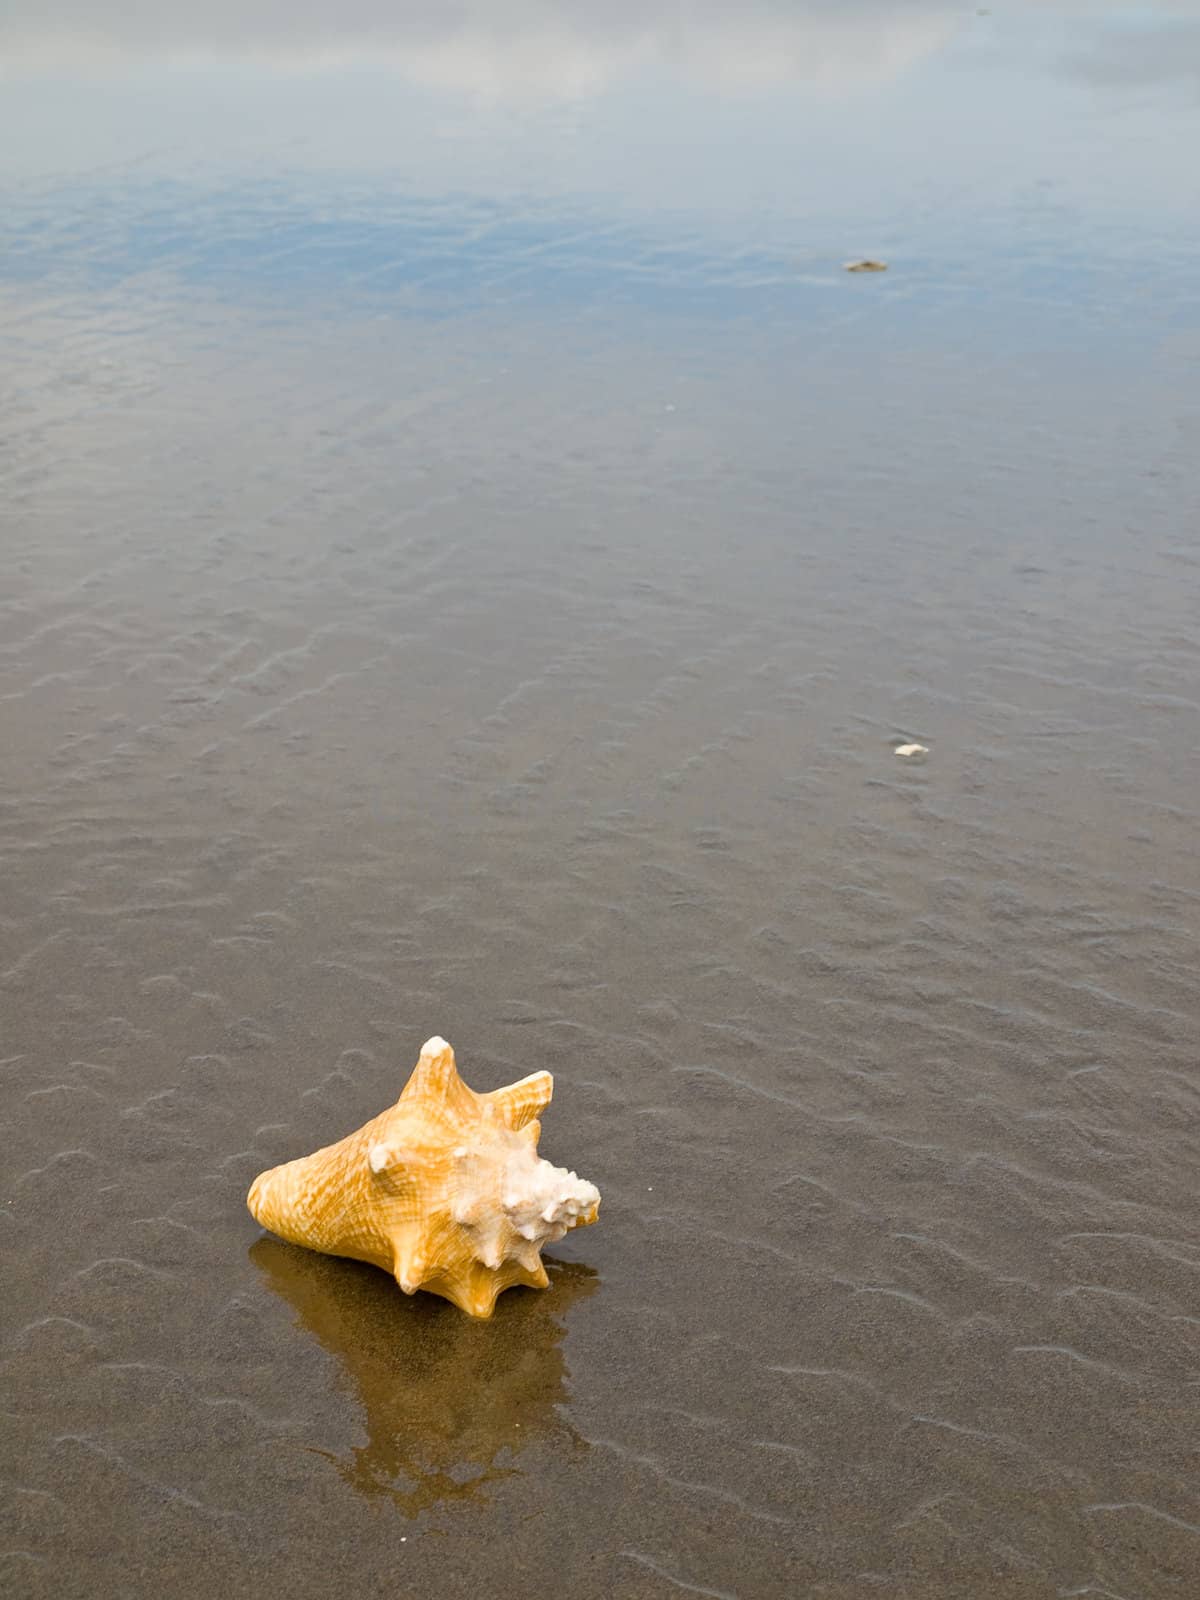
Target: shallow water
<point>469,555</point>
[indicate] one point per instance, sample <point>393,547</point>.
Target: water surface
<point>469,555</point>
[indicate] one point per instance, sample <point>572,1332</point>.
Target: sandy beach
<point>470,555</point>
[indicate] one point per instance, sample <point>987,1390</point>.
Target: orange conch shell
<point>445,1189</point>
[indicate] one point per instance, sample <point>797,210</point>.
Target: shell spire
<point>445,1190</point>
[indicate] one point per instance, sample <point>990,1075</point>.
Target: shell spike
<point>521,1102</point>
<point>435,1081</point>
<point>408,1262</point>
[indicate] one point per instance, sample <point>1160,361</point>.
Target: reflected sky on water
<point>1024,168</point>
<point>903,121</point>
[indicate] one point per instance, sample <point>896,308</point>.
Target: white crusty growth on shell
<point>445,1189</point>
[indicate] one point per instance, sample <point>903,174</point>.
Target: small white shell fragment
<point>911,749</point>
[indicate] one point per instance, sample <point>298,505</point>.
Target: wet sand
<point>514,646</point>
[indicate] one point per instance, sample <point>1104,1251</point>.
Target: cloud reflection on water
<point>1159,50</point>
<point>524,47</point>
<point>532,151</point>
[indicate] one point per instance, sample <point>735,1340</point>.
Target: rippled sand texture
<point>532,676</point>
<point>345,700</point>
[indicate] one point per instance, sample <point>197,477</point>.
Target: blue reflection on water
<point>1014,199</point>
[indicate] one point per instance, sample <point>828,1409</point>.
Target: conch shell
<point>445,1189</point>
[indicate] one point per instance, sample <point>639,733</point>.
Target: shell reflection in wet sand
<point>447,1402</point>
